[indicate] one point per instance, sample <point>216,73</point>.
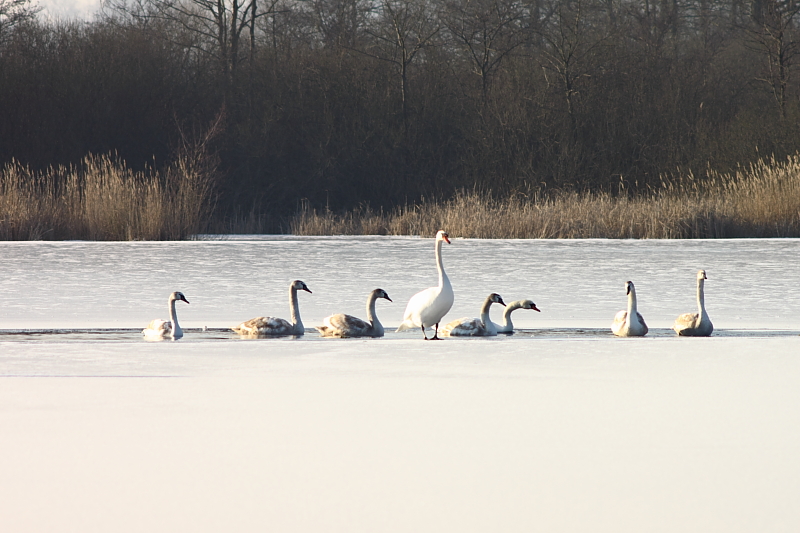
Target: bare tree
<point>774,34</point>
<point>401,31</point>
<point>14,12</point>
<point>487,31</point>
<point>217,26</point>
<point>339,22</point>
<point>571,41</point>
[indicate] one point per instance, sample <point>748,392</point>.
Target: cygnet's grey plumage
<point>475,327</point>
<point>270,325</point>
<point>342,325</point>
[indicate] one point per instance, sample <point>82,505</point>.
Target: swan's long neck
<point>443,279</point>
<point>487,322</point>
<point>507,314</point>
<point>701,299</point>
<point>632,302</point>
<point>173,317</point>
<point>633,314</point>
<point>372,317</point>
<point>295,309</point>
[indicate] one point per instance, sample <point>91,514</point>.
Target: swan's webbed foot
<point>436,334</point>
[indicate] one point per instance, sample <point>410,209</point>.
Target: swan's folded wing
<point>619,321</point>
<point>463,327</point>
<point>620,317</point>
<point>417,303</point>
<point>341,325</point>
<point>642,322</point>
<point>264,325</point>
<point>686,321</point>
<point>348,323</point>
<point>158,326</point>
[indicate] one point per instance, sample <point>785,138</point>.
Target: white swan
<point>508,326</point>
<point>159,329</point>
<point>695,324</point>
<point>342,325</point>
<point>475,327</point>
<point>629,323</point>
<point>427,307</point>
<point>270,325</point>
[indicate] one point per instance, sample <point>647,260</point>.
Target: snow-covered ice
<point>561,427</point>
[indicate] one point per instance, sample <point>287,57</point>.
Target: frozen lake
<point>560,427</point>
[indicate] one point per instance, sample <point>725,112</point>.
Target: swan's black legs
<point>435,333</point>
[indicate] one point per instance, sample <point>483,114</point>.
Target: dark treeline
<point>384,102</point>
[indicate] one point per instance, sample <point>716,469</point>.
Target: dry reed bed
<point>762,200</point>
<point>102,199</point>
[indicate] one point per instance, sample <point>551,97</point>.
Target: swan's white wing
<point>158,328</point>
<point>693,325</point>
<point>686,321</point>
<point>620,320</point>
<point>439,307</point>
<point>417,305</point>
<point>265,325</point>
<point>464,327</point>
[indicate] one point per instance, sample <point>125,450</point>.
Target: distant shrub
<point>102,199</point>
<point>761,200</point>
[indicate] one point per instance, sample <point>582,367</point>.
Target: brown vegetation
<point>382,103</point>
<point>102,199</point>
<point>762,200</point>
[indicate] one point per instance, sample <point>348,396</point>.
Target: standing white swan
<point>427,307</point>
<point>508,326</point>
<point>629,323</point>
<point>270,325</point>
<point>695,324</point>
<point>159,329</point>
<point>475,327</point>
<point>342,325</point>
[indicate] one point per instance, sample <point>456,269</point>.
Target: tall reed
<point>102,199</point>
<point>762,200</point>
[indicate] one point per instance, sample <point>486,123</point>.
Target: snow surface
<point>560,427</point>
